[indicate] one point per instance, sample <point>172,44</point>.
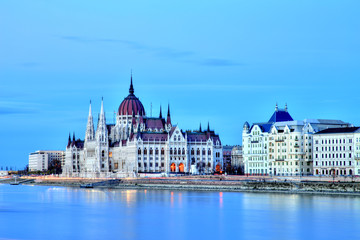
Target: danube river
<point>41,212</point>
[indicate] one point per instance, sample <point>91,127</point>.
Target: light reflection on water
<point>40,212</point>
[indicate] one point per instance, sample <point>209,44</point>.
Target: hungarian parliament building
<point>138,144</point>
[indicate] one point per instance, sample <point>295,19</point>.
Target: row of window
<point>150,164</point>
<point>332,163</point>
<point>333,148</point>
<point>333,141</point>
<point>337,155</point>
<point>176,151</point>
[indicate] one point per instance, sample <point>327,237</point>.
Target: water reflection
<point>73,213</point>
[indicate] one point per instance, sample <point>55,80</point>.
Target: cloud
<point>168,53</point>
<point>11,111</point>
<point>14,107</point>
<point>218,62</point>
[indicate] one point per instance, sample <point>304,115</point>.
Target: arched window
<point>145,151</point>
<point>139,151</point>
<point>156,151</point>
<point>103,153</point>
<point>173,167</point>
<point>192,151</point>
<point>151,151</point>
<point>203,152</point>
<point>183,151</point>
<point>175,152</point>
<point>74,156</point>
<point>209,152</point>
<point>171,151</point>
<point>198,151</point>
<point>179,139</point>
<point>181,167</point>
<point>162,151</point>
<point>179,151</point>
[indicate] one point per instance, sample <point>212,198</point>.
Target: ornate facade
<point>139,144</point>
<point>282,146</point>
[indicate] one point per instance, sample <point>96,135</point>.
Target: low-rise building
<point>40,160</point>
<point>227,161</point>
<point>237,160</point>
<point>337,152</point>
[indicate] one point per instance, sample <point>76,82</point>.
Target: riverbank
<point>214,183</point>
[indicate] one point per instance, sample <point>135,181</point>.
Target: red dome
<point>131,104</point>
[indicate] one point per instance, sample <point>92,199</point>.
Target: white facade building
<point>39,160</point>
<point>337,152</point>
<point>140,144</point>
<point>282,146</point>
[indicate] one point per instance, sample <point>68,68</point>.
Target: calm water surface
<point>40,212</point>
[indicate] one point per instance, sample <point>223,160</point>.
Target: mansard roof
<point>158,123</point>
<point>153,136</point>
<point>265,127</point>
<point>339,130</point>
<point>203,136</point>
<point>280,116</point>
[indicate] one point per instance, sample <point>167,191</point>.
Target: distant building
<point>237,161</point>
<point>40,160</point>
<point>227,161</point>
<point>337,152</point>
<point>138,144</point>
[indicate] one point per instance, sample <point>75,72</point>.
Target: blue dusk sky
<point>225,62</point>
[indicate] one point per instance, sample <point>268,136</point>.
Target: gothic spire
<point>200,130</point>
<point>90,134</point>
<point>208,129</point>
<point>286,107</point>
<point>101,131</point>
<point>168,120</point>
<point>69,141</point>
<point>160,115</point>
<point>276,107</point>
<point>131,89</point>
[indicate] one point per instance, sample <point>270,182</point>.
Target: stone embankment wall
<point>217,184</point>
<point>287,187</point>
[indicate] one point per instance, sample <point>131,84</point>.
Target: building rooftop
<point>338,130</point>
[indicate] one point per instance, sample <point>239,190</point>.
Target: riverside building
<point>139,144</point>
<point>282,146</point>
<point>337,152</point>
<point>39,160</point>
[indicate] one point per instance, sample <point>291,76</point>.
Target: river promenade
<point>312,185</point>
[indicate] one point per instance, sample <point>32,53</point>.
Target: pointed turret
<point>276,107</point>
<point>200,130</point>
<point>69,141</point>
<point>208,128</point>
<point>73,137</point>
<point>286,107</point>
<point>90,133</point>
<point>160,115</point>
<point>101,131</point>
<point>168,120</point>
<point>131,89</point>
